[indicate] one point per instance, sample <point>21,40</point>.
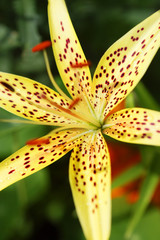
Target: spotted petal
<point>134,125</point>
<point>32,158</point>
<point>124,64</point>
<point>34,101</point>
<point>89,173</point>
<point>68,52</point>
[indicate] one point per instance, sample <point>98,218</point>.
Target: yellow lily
<point>86,116</point>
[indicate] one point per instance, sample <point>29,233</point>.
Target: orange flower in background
<point>123,157</point>
<point>156,196</point>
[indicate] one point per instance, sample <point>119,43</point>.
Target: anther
<point>38,141</point>
<point>41,46</point>
<point>74,102</point>
<point>80,65</point>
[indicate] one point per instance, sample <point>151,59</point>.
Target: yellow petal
<point>32,100</point>
<point>89,174</point>
<point>134,125</point>
<point>124,64</point>
<point>68,52</point>
<point>36,156</point>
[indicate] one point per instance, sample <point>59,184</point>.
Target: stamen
<point>80,65</point>
<point>38,141</point>
<point>79,85</point>
<point>87,101</point>
<point>56,109</point>
<point>52,78</point>
<point>68,111</point>
<point>41,46</point>
<point>81,125</point>
<point>61,110</point>
<point>74,102</point>
<point>77,65</point>
<point>107,125</point>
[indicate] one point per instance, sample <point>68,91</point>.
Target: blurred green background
<point>41,206</point>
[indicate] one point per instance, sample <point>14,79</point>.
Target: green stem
<point>130,175</point>
<point>147,190</point>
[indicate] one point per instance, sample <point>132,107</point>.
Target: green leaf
<point>148,227</point>
<point>145,99</point>
<point>146,193</point>
<point>130,100</point>
<point>11,213</point>
<point>128,176</point>
<point>36,185</point>
<point>27,22</point>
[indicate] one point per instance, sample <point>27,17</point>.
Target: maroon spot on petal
<point>27,166</point>
<point>26,162</point>
<point>9,87</point>
<point>122,75</point>
<point>11,171</point>
<point>116,84</point>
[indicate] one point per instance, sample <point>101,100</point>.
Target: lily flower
<point>85,116</point>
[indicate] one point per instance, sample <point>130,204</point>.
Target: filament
<point>58,89</point>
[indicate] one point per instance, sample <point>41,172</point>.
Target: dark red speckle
<point>11,171</point>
